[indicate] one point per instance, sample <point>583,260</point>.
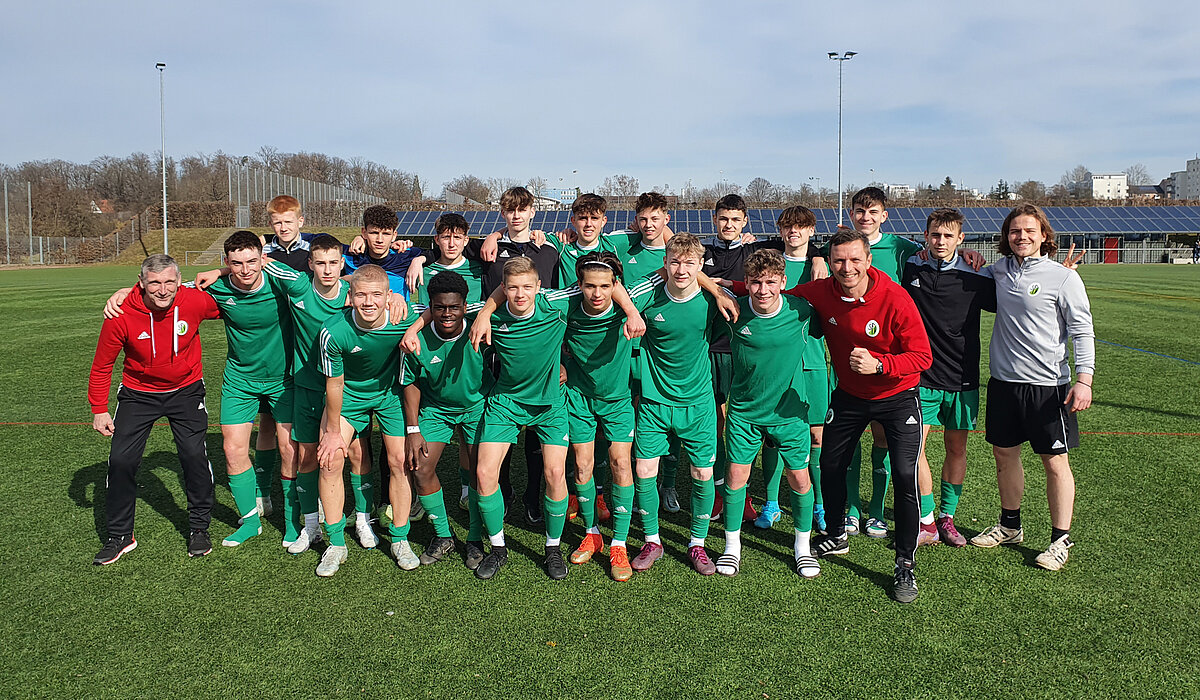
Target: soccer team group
<point>629,348</point>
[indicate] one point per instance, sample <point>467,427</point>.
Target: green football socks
<point>814,473</point>
<point>704,496</point>
<point>586,494</point>
<point>291,511</point>
<point>475,531</point>
<point>245,497</point>
<point>306,491</point>
<point>336,533</point>
<point>556,518</point>
<point>647,497</point>
<point>435,509</point>
<point>926,506</point>
<point>802,509</point>
<point>950,495</point>
<point>398,533</point>
<point>491,509</point>
<point>735,505</point>
<point>364,494</point>
<point>264,470</point>
<point>772,467</point>
<point>622,510</point>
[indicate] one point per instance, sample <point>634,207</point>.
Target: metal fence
<point>249,185</point>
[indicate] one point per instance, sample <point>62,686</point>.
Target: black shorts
<point>1018,413</point>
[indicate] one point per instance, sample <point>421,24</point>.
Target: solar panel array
<point>981,222</point>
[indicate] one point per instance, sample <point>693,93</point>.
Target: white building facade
<point>1110,186</point>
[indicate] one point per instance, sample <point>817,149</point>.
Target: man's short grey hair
<point>158,263</point>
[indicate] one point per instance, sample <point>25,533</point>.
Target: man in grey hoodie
<point>1040,305</point>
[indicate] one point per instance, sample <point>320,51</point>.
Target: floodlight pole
<point>818,179</point>
<point>162,128</point>
<point>834,56</point>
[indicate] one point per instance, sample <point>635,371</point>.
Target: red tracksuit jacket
<point>885,322</point>
<point>162,349</point>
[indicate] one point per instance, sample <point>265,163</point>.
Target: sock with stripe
<point>291,510</point>
<point>264,470</point>
<point>881,476</point>
<point>475,531</point>
<point>704,496</point>
<point>491,509</point>
<point>647,500</point>
<point>336,533</point>
<point>586,494</point>
<point>927,509</point>
<point>772,467</point>
<point>854,483</point>
<point>245,497</point>
<point>556,519</point>
<point>364,496</point>
<point>435,510</point>
<point>622,510</point>
<point>950,495</point>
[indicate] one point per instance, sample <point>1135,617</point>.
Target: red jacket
<point>885,322</point>
<point>162,349</point>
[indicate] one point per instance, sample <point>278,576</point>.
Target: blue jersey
<point>394,264</point>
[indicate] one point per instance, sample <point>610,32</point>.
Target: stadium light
<point>834,56</point>
<point>818,179</point>
<point>162,128</point>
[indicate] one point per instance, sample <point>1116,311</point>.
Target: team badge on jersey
<point>1034,289</point>
<point>872,328</point>
<point>181,328</point>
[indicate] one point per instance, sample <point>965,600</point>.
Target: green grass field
<point>1121,619</point>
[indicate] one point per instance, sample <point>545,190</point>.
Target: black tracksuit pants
<point>135,416</point>
<point>900,416</point>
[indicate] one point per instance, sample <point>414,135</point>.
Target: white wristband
<point>413,429</point>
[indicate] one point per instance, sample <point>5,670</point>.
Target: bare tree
<point>536,185</point>
<point>499,185</point>
<point>1078,181</point>
<point>468,186</point>
<point>1031,190</point>
<point>619,186</point>
<point>1138,175</point>
<point>760,191</point>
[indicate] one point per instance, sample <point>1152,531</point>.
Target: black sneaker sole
<point>105,562</point>
<point>904,595</point>
<point>200,554</point>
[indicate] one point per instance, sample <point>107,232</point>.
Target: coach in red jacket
<point>162,377</point>
<point>878,347</point>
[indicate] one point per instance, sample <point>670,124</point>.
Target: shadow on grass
<point>150,488</point>
<point>1146,409</point>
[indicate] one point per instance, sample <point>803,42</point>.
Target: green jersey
<point>368,358</point>
<point>799,271</point>
<point>470,270</point>
<point>529,348</point>
<point>599,353</point>
<point>448,371</point>
<point>889,253</point>
<point>309,310</point>
<point>258,328</point>
<point>674,359</point>
<point>768,375</point>
<point>570,253</point>
<point>637,259</point>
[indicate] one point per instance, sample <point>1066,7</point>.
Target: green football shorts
<point>242,399</point>
<point>503,419</point>
<point>954,410</point>
<point>695,426</point>
<point>437,424</point>
<point>584,413</point>
<point>743,440</point>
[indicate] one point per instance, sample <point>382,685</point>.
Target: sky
<point>667,92</point>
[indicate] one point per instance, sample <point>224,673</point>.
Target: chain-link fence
<point>251,188</point>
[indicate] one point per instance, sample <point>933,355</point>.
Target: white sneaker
<point>331,560</point>
<point>851,525</point>
<point>416,512</point>
<point>463,499</point>
<point>1055,556</point>
<point>366,534</point>
<point>306,540</point>
<point>998,534</point>
<point>670,499</point>
<point>405,557</point>
<point>876,527</point>
<point>264,506</point>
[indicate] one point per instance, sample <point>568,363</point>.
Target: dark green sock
<point>398,532</point>
<point>264,470</point>
<point>586,493</point>
<point>881,476</point>
<point>491,509</point>
<point>814,473</point>
<point>772,467</point>
<point>291,511</point>
<point>556,516</point>
<point>364,497</point>
<point>336,533</point>
<point>245,491</point>
<point>735,506</point>
<point>307,491</point>
<point>647,501</point>
<point>704,496</point>
<point>435,509</point>
<point>950,495</point>
<point>854,483</point>
<point>802,509</point>
<point>926,505</point>
<point>475,533</point>
<point>622,510</point>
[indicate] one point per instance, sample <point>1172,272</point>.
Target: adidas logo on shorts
<point>912,420</point>
<point>436,360</point>
<point>1058,445</point>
